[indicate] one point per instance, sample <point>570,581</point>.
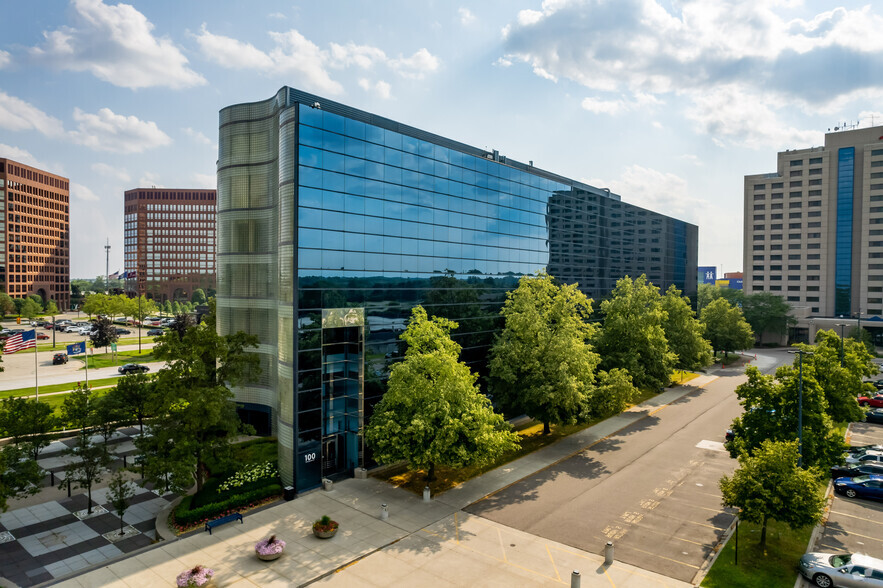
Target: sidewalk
<point>421,544</point>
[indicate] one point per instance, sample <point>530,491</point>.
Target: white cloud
<point>116,44</point>
<point>466,16</point>
<point>149,180</point>
<point>107,131</point>
<point>117,173</point>
<point>380,88</point>
<point>754,50</point>
<point>503,62</point>
<point>416,66</point>
<point>277,15</point>
<point>690,158</point>
<point>23,156</point>
<point>207,181</point>
<point>200,137</point>
<point>18,115</point>
<point>81,192</point>
<point>5,59</point>
<point>619,105</point>
<point>293,55</point>
<point>656,124</point>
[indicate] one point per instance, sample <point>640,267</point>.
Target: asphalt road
<point>651,488</point>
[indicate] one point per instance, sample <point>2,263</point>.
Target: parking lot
<point>855,525</point>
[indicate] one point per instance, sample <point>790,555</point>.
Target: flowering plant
<point>249,474</point>
<point>325,524</point>
<point>270,546</point>
<point>198,576</point>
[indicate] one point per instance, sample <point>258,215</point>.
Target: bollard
<point>125,465</point>
<point>608,553</point>
<point>426,495</point>
<point>327,484</point>
<point>68,487</point>
<point>384,512</point>
<point>574,579</point>
<point>52,479</point>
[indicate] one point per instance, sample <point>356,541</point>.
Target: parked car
<point>867,456</point>
<point>155,332</point>
<point>862,448</point>
<point>876,400</point>
<point>123,331</point>
<point>49,326</point>
<point>133,368</point>
<point>86,330</point>
<point>72,329</point>
<point>843,569</point>
<point>875,416</point>
<point>42,336</point>
<point>38,323</point>
<point>864,469</point>
<point>729,435</point>
<point>870,486</point>
<point>59,358</point>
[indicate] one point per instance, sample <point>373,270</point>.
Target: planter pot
<point>324,534</point>
<point>270,557</point>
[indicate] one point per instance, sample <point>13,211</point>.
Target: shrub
<point>185,517</point>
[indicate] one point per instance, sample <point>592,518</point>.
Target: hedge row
<point>210,495</point>
<point>185,516</point>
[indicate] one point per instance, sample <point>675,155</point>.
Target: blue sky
<point>667,103</point>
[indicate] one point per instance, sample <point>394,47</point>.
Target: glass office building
<point>333,223</point>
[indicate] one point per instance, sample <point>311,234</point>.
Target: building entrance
<point>343,365</point>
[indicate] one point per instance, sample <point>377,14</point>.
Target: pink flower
<point>269,546</point>
<point>194,577</point>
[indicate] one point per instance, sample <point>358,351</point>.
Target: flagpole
<point>86,351</point>
<point>36,379</point>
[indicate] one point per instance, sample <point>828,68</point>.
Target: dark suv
<point>59,358</point>
<point>133,368</point>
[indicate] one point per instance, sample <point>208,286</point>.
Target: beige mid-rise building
<point>814,229</point>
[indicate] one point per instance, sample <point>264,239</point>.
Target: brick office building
<point>169,242</point>
<point>34,233</point>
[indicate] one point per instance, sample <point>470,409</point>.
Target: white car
<point>865,457</point>
<point>846,570</point>
<point>72,329</point>
<point>85,330</point>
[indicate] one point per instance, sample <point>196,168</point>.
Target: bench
<point>209,525</point>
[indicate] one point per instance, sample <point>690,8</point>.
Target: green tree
<point>634,320</point>
<point>95,304</point>
<point>770,486</point>
<point>38,300</point>
<point>51,309</point>
<point>7,306</point>
<point>30,309</point>
<point>168,308</point>
<point>614,393</point>
<point>864,336</point>
<point>86,468</point>
<point>433,412</point>
<point>120,493</point>
<point>840,385</point>
<point>19,303</point>
<point>542,363</point>
<point>28,422</point>
<point>98,284</point>
<point>135,393</point>
<point>107,416</point>
<point>19,476</point>
<point>77,411</point>
<point>684,332</point>
<point>767,313</point>
<point>198,296</point>
<point>196,418</point>
<point>771,412</point>
<point>176,307</point>
<point>725,327</point>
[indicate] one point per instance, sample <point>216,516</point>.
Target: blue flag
<point>76,348</point>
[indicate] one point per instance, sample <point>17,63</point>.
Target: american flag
<point>20,341</point>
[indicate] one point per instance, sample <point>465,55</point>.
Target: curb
<point>716,551</point>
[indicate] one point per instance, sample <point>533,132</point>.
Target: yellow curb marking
<point>552,559</point>
<point>843,514</point>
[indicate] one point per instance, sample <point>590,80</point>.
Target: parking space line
<point>552,559</point>
<point>661,514</point>
<point>691,505</point>
<point>843,514</point>
<point>660,556</point>
<point>851,534</point>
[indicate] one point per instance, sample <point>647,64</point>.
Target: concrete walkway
<point>421,544</point>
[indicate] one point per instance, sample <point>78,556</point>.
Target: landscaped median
<point>531,438</point>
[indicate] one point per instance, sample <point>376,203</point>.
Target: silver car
<point>843,570</point>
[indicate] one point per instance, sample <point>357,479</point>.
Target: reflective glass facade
<point>323,207</point>
<point>843,254</point>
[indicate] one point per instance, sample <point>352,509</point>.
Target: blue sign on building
<point>707,274</point>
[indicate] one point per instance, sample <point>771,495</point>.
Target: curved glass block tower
<point>333,223</point>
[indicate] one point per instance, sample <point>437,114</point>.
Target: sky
<point>667,103</point>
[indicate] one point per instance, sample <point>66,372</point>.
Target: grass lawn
<point>57,388</point>
<point>101,360</point>
<point>776,569</point>
<point>532,439</point>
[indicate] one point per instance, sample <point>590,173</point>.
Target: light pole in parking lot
<point>841,325</point>
<point>800,353</point>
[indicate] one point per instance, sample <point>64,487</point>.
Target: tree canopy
<point>769,485</point>
<point>767,313</point>
<point>725,327</point>
<point>543,363</point>
<point>771,412</point>
<point>840,385</point>
<point>433,412</point>
<point>634,318</point>
<point>684,332</point>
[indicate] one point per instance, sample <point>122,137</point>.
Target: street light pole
<point>841,325</point>
<point>800,353</point>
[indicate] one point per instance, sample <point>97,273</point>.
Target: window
<point>797,184</point>
<point>759,197</point>
<point>795,172</point>
<point>796,162</point>
<point>759,207</point>
<point>815,160</point>
<point>759,187</point>
<point>776,185</point>
<point>816,182</point>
